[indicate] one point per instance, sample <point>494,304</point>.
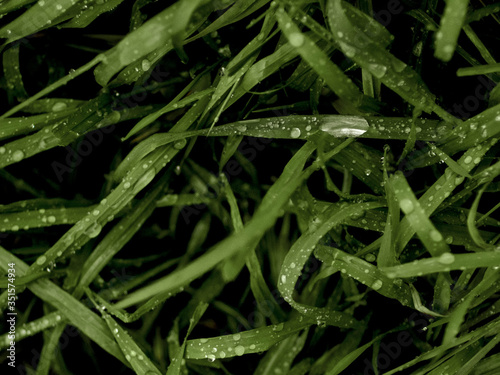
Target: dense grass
<point>250,187</point>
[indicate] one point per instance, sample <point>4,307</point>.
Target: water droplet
<point>377,70</point>
<point>467,160</point>
<point>2,150</point>
<point>344,126</point>
<point>407,206</point>
<point>126,185</point>
<point>295,133</point>
<point>239,350</point>
<point>51,219</point>
<point>241,128</point>
<point>179,145</point>
<point>18,155</point>
<point>59,106</point>
<point>446,258</point>
<point>278,327</point>
<point>377,284</point>
<point>146,65</point>
<point>94,230</point>
<point>144,180</point>
<point>435,235</point>
<point>41,260</point>
<point>283,279</point>
<point>296,39</point>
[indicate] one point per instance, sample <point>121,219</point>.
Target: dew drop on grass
<point>59,106</point>
<point>370,258</point>
<point>295,133</point>
<point>41,260</point>
<point>407,206</point>
<point>126,185</point>
<point>377,284</point>
<point>278,327</point>
<point>236,336</point>
<point>51,219</point>
<point>346,126</point>
<point>378,70</point>
<point>94,230</point>
<point>146,65</point>
<point>144,180</point>
<point>435,235</point>
<point>239,350</point>
<point>296,39</point>
<point>446,258</point>
<point>18,155</point>
<point>2,150</point>
<point>179,145</point>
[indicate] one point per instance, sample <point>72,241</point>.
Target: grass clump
<point>250,187</point>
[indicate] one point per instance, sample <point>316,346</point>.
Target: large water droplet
<point>344,126</point>
<point>146,65</point>
<point>41,260</point>
<point>407,206</point>
<point>17,155</point>
<point>296,39</point>
<point>377,70</point>
<point>144,180</point>
<point>377,284</point>
<point>94,230</point>
<point>435,235</point>
<point>446,258</point>
<point>59,106</point>
<point>239,350</point>
<point>179,145</point>
<point>295,133</point>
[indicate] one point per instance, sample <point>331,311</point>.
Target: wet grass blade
<point>451,24</point>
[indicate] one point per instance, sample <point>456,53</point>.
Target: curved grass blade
<point>365,273</point>
<point>300,252</point>
<point>263,219</point>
